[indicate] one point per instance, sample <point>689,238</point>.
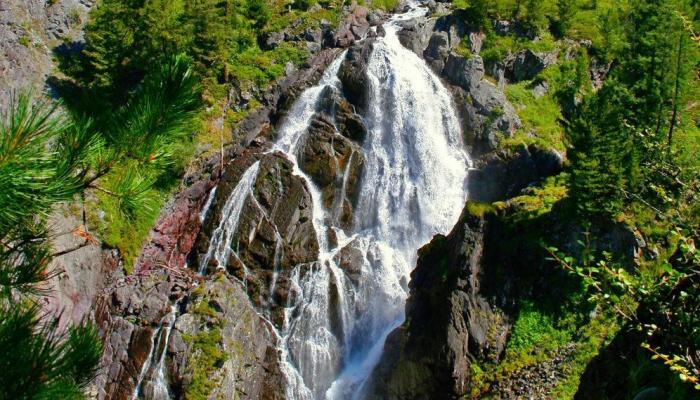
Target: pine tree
<point>535,18</point>
<point>40,158</point>
<point>47,158</point>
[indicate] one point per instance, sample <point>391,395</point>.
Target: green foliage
<point>208,357</point>
<point>386,5</point>
<point>42,160</point>
<point>663,306</point>
<point>534,328</point>
<point>38,362</point>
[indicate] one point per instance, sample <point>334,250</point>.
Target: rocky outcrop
<point>449,321</point>
<point>502,174</point>
<point>128,316</point>
<point>274,230</point>
<point>335,165</point>
<point>244,360</point>
<point>524,65</point>
<point>353,74</point>
<point>486,113</point>
<point>30,29</point>
<point>354,27</point>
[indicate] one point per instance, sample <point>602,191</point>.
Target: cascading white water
<point>413,186</point>
<point>152,377</point>
<point>220,243</point>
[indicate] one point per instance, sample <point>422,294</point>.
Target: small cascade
<point>207,205</point>
<point>221,238</point>
<point>152,383</point>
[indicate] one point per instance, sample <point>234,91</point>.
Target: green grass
<point>386,5</point>
<point>540,118</point>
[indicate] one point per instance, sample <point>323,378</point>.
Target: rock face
<point>335,164</point>
<point>30,29</point>
<point>449,321</point>
<point>486,113</point>
<point>353,74</point>
<point>245,363</point>
<point>501,175</point>
<point>274,231</point>
<point>128,316</point>
<point>353,28</point>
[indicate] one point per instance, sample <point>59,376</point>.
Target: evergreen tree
<point>40,165</point>
<point>47,158</point>
<point>535,17</point>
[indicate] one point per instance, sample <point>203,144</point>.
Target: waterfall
<point>152,382</point>
<point>220,243</point>
<point>413,187</point>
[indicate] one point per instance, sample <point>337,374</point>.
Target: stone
<point>526,64</point>
<point>415,33</point>
<point>354,27</point>
<point>437,51</point>
<point>353,74</point>
<point>540,89</point>
<point>463,72</point>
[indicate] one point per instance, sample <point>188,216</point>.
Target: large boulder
<point>526,64</point>
<point>353,74</point>
<point>335,165</point>
<point>415,33</point>
<point>464,72</point>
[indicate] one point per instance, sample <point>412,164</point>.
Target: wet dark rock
<point>353,74</point>
<point>327,157</point>
<point>346,120</point>
<point>350,259</point>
